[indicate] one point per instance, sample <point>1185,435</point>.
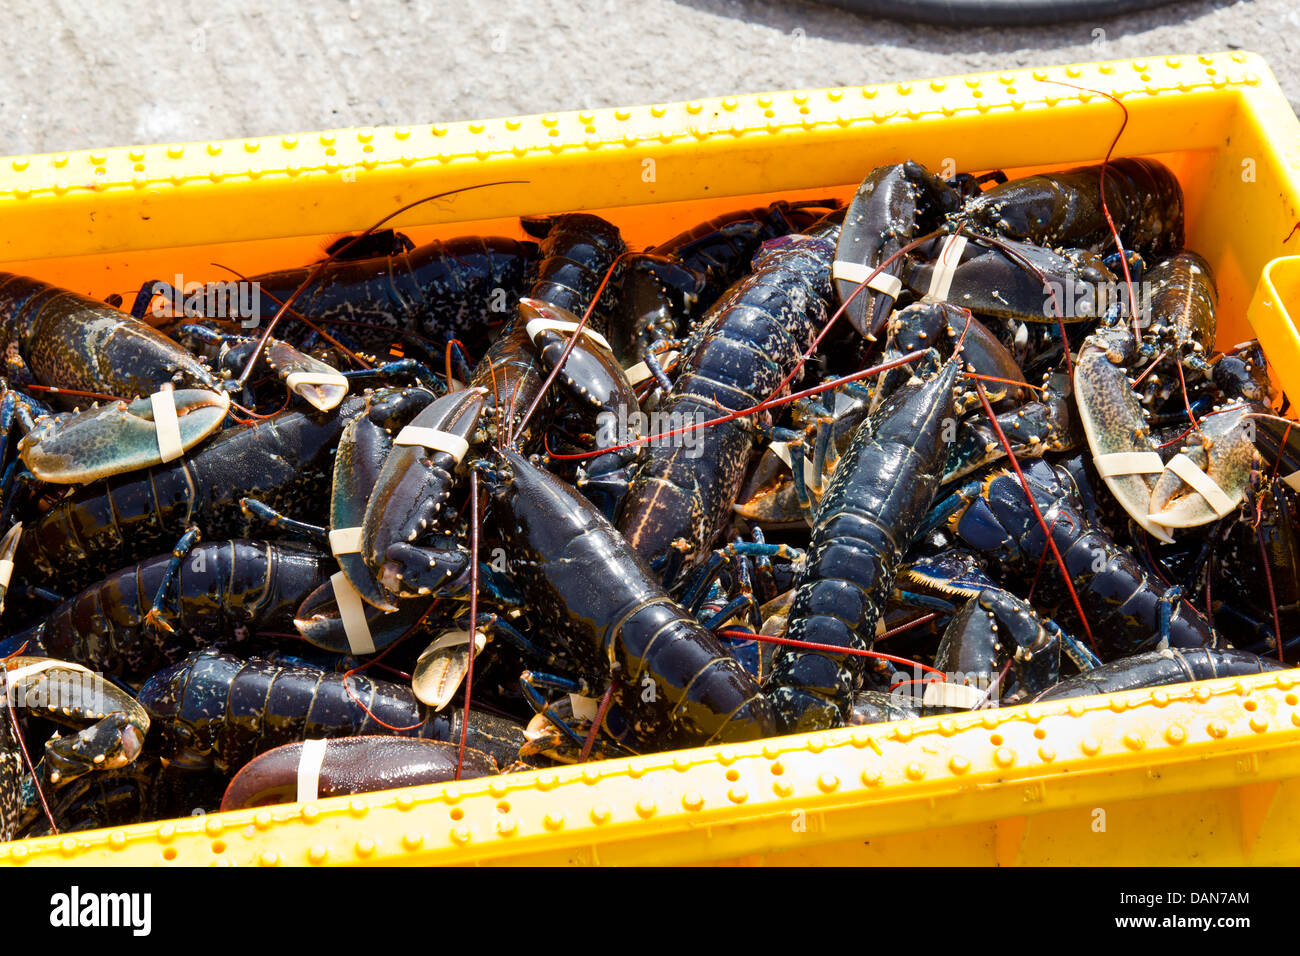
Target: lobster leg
<point>316,534</point>
<point>154,616</point>
<point>405,366</point>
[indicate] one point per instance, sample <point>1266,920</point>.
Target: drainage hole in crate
<point>733,775</point>
<point>1040,733</point>
<point>996,740</point>
<point>218,846</point>
<point>1249,704</point>
<point>457,813</point>
<point>503,806</point>
<point>778,768</point>
<point>169,853</point>
<point>1292,699</point>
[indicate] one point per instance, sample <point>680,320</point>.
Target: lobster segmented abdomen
<point>1120,599</point>
<point>575,255</point>
<point>603,605</point>
<point>215,709</point>
<point>1158,668</point>
<point>443,290</point>
<point>864,525</point>
<point>220,586</point>
<point>753,338</point>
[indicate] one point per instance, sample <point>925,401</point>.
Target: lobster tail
<point>864,525</point>
<point>585,585</point>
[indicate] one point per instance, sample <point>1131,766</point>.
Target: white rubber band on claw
<point>294,379</point>
<point>1203,484</point>
<point>167,427</point>
<point>945,267</point>
<point>352,612</point>
<point>6,572</point>
<point>810,477</point>
<point>1129,463</point>
<point>457,638</point>
<point>345,541</point>
<point>309,764</point>
<point>584,708</point>
<point>882,282</point>
<point>640,372</point>
<point>537,326</point>
<point>952,694</point>
<point>782,450</point>
<point>1293,480</point>
<point>434,439</point>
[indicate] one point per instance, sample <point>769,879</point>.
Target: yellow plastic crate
<point>1075,782</point>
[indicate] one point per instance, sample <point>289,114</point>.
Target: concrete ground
<point>80,75</point>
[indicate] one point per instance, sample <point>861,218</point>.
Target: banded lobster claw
<point>416,480</point>
<point>1207,480</point>
<point>311,379</point>
<point>123,436</point>
<point>1112,419</point>
<point>441,667</point>
<point>335,618</point>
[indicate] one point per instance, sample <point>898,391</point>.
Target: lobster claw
<point>1112,420</point>
<point>409,494</point>
<point>333,617</point>
<point>363,449</point>
<point>1205,482</point>
<point>124,436</point>
<point>442,666</point>
<point>321,385</point>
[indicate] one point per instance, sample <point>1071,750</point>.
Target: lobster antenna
<point>76,393</point>
<point>299,317</point>
<point>606,699</point>
<point>1105,208</point>
<point>907,626</point>
<point>1042,561</point>
<point>319,268</point>
<point>1272,595</point>
<point>997,683</point>
<point>1060,562</point>
<point>830,648</point>
<point>753,409</point>
<point>473,613</point>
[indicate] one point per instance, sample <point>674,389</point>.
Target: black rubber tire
<point>972,13</point>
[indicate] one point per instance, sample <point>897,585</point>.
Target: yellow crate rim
<point>734,801</point>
